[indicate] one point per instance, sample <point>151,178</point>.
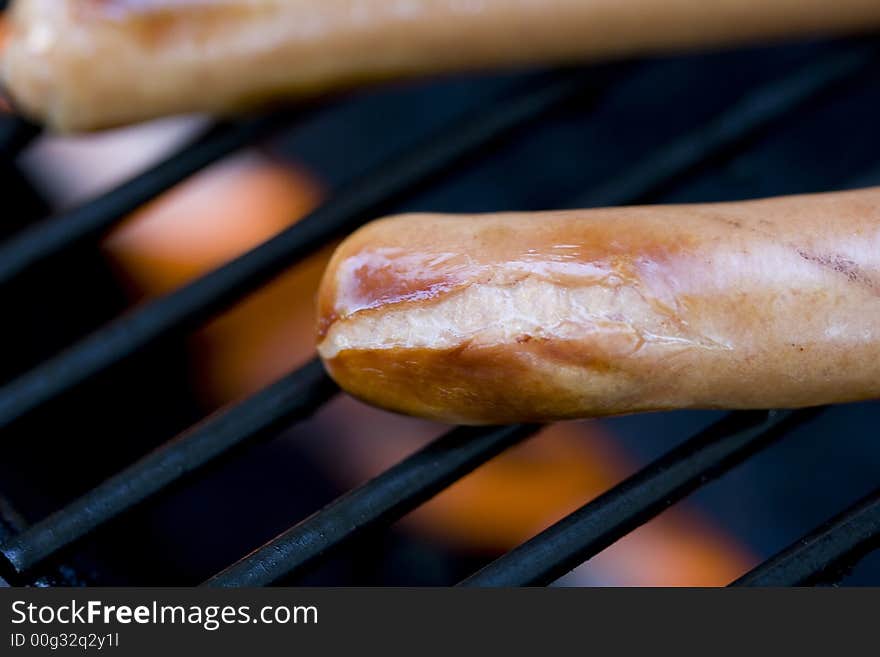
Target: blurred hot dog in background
<point>89,64</point>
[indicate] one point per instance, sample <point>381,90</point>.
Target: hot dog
<point>85,64</point>
<point>557,315</point>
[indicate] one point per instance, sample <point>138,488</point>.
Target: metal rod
<point>594,527</point>
<point>824,553</point>
<point>386,498</point>
<point>196,302</point>
<point>757,111</point>
<point>70,229</point>
<point>294,397</point>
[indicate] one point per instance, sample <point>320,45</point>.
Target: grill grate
<point>632,503</point>
<point>385,499</point>
<point>825,554</point>
<point>349,209</point>
<point>28,554</point>
<point>59,234</point>
<point>294,397</point>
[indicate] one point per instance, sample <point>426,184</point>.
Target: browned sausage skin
<point>86,64</point>
<point>540,317</point>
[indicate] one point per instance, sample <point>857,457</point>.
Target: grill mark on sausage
<point>835,262</point>
<point>841,265</point>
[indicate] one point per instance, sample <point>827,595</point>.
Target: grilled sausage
<point>539,317</point>
<point>85,64</point>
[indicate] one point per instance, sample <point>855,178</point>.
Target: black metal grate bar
<point>347,210</point>
<point>826,553</point>
<point>75,227</point>
<point>600,523</point>
<point>386,498</point>
<point>757,111</point>
<point>294,397</point>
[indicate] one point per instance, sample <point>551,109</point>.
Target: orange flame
<point>206,222</point>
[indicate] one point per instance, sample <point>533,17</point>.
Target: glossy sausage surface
<point>538,317</point>
<point>86,64</point>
